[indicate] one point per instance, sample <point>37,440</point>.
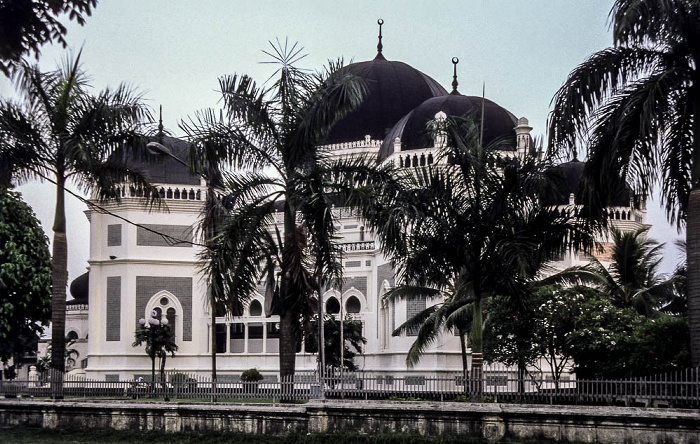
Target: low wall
<point>493,421</point>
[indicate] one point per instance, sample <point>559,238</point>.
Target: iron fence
<point>677,389</point>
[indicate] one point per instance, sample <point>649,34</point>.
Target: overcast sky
<point>173,51</point>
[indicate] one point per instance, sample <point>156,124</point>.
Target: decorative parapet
<point>165,191</point>
<point>367,143</point>
<point>358,246</point>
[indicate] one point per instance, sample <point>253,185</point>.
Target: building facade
<point>143,259</point>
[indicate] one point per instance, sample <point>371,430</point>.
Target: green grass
<point>43,436</point>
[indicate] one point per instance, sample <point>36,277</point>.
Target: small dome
<point>395,88</point>
<point>79,289</point>
<point>573,183</point>
<point>412,128</point>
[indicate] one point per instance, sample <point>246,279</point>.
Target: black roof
<point>572,182</point>
<point>395,88</point>
<point>499,123</point>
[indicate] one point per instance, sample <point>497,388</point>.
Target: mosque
<point>134,270</point>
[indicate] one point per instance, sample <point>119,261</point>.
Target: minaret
<point>522,135</point>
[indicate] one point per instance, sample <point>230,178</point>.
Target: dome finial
<point>160,124</point>
<point>380,22</point>
<point>455,60</point>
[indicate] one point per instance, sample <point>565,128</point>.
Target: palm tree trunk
<point>153,371</point>
<point>59,279</point>
<point>288,321</point>
<point>288,348</point>
<point>465,364</point>
<point>693,232</point>
<point>693,247</point>
<point>477,377</point>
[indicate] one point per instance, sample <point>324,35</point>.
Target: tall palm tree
<point>635,107</point>
<point>632,279</point>
<point>476,228</point>
<point>284,188</point>
<point>60,132</point>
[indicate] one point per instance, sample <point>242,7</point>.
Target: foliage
<point>25,279</point>
<point>352,336</point>
<point>60,132</point>
<point>636,107</point>
<point>25,25</point>
<point>522,337</point>
<point>632,280</point>
<point>610,342</point>
<point>251,375</point>
<point>279,130</point>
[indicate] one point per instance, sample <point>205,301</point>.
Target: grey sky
<point>173,51</point>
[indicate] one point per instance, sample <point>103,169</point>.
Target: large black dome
<point>395,88</point>
<point>499,123</point>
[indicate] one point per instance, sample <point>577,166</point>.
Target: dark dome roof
<point>79,289</point>
<point>164,169</point>
<point>395,88</point>
<point>572,183</point>
<point>412,128</point>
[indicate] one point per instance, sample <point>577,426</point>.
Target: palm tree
<point>475,228</point>
<point>284,189</point>
<point>632,279</point>
<point>636,106</point>
<point>159,339</point>
<point>60,132</point>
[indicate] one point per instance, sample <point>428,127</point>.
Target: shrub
<point>251,375</point>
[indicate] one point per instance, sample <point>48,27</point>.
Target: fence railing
<point>678,389</point>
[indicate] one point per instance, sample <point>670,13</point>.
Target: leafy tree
<point>524,337</point>
<point>25,25</point>
<point>609,342</point>
<point>352,336</point>
<point>60,132</point>
<point>476,228</point>
<point>635,107</point>
<point>279,130</point>
<point>159,339</point>
<point>25,278</point>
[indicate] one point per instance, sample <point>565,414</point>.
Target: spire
<point>160,124</point>
<point>575,152</point>
<point>455,60</point>
<point>380,22</point>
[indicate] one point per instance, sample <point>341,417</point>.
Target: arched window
<point>430,158</point>
<point>72,336</point>
<point>170,315</point>
<point>332,306</point>
<point>255,308</point>
<point>353,305</point>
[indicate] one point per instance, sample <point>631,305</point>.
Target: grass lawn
<point>41,436</point>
